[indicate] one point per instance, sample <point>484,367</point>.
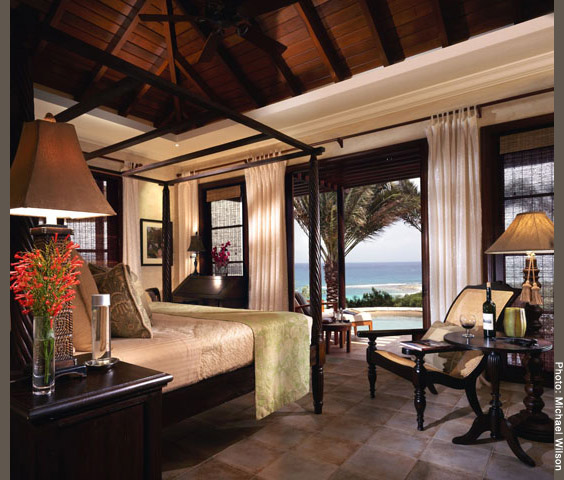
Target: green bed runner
<point>281,350</point>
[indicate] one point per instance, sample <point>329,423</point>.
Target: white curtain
<point>131,240</point>
<point>186,224</point>
<point>268,276</point>
<point>455,212</point>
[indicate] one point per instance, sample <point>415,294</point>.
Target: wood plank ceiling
<point>319,42</point>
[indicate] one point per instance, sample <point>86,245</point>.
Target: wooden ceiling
<point>325,41</point>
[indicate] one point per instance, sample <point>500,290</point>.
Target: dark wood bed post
<point>318,347</point>
<point>341,245</point>
<point>167,246</point>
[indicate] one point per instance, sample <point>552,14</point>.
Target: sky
<point>397,243</point>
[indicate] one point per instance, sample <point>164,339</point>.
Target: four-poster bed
<point>179,403</point>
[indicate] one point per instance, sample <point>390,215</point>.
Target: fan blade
<point>155,17</point>
<point>210,47</point>
<point>260,40</point>
<point>252,8</point>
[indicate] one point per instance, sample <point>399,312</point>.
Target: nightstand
<point>107,425</point>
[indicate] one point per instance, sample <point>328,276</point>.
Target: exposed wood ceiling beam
<point>200,153</point>
<point>156,17</point>
<point>226,58</point>
<point>100,98</point>
<point>52,18</point>
<point>114,47</point>
<point>95,54</point>
<point>318,33</point>
<point>441,24</point>
<point>131,142</point>
<point>171,48</point>
<point>126,108</point>
<point>374,23</point>
<point>294,82</point>
<point>191,74</point>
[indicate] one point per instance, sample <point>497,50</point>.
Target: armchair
<point>454,368</point>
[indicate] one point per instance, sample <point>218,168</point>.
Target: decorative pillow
<point>140,292</point>
<point>82,311</point>
<point>96,269</point>
<point>127,314</point>
<point>458,364</point>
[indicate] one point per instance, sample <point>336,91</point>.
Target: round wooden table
<point>340,329</point>
<point>494,421</point>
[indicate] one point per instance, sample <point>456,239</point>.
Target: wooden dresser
<point>214,290</point>
<point>107,425</point>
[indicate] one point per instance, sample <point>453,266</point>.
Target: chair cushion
<point>127,314</point>
<point>457,364</point>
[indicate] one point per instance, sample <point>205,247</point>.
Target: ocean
<point>396,278</point>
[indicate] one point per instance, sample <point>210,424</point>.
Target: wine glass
<point>468,321</point>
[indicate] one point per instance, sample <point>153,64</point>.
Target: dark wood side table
<point>107,425</point>
<point>339,329</point>
<point>494,421</point>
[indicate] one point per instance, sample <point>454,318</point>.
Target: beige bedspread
<point>190,349</point>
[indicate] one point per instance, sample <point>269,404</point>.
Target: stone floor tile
<point>371,415</point>
<point>343,473</point>
<point>430,471</point>
<point>327,449</point>
<point>350,395</point>
<point>214,469</point>
<point>292,466</point>
<point>385,400</point>
<point>348,427</point>
<point>250,455</point>
<point>408,423</point>
<point>467,458</point>
<point>377,463</point>
<point>435,410</point>
<point>503,467</point>
<point>281,436</point>
<point>541,453</point>
<point>395,441</point>
<point>301,420</point>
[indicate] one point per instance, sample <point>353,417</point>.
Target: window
<point>225,221</point>
<point>100,238</point>
<point>528,185</point>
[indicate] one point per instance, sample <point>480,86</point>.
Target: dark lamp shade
<point>196,244</point>
<point>529,232</point>
<point>49,176</point>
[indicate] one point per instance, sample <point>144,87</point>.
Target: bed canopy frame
<point>137,76</point>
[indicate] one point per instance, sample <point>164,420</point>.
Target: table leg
<point>341,339</point>
<point>372,375</point>
<point>420,382</point>
<point>532,423</point>
<point>327,340</point>
<point>494,420</point>
<point>348,340</point>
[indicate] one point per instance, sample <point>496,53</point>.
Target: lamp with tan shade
<point>530,233</point>
<point>196,246</point>
<point>50,178</point>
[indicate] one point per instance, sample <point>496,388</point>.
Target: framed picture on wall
<point>151,242</point>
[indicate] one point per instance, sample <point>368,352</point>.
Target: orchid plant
<point>221,256</point>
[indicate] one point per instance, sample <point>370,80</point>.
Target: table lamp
<point>530,233</point>
<point>50,178</point>
<point>196,246</point>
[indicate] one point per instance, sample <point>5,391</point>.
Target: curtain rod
<point>234,168</point>
<point>479,107</point>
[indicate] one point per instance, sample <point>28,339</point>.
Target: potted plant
<point>42,281</point>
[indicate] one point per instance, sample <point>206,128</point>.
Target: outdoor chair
<point>455,369</point>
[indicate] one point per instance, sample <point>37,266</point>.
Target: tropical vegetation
<point>369,210</point>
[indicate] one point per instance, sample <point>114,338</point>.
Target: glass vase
<point>221,270</point>
<point>43,379</point>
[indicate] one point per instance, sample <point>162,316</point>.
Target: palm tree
<point>368,211</point>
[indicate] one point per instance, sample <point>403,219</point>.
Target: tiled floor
<point>355,438</point>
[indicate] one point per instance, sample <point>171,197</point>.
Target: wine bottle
<point>488,310</point>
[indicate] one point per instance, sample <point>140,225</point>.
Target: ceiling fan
<point>216,17</point>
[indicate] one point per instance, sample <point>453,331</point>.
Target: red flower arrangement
<point>221,257</point>
<point>42,279</point>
